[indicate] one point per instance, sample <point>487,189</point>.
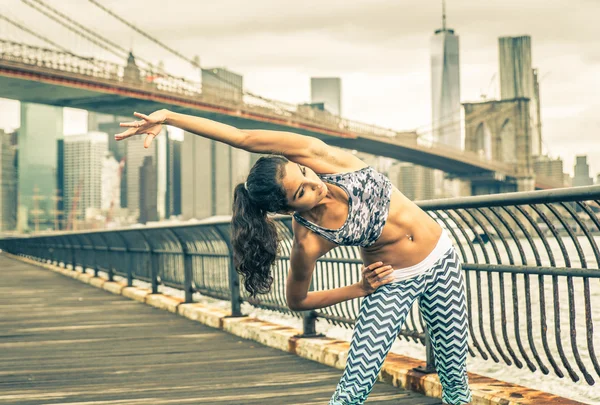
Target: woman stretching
<point>336,199</point>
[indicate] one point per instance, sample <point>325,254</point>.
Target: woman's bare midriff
<point>394,247</point>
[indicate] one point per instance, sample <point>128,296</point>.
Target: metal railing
<point>531,263</point>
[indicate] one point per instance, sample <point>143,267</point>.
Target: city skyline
<point>381,52</point>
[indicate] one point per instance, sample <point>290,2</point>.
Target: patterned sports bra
<point>369,195</point>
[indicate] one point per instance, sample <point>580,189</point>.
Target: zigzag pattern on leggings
<point>381,316</point>
<point>444,308</point>
<point>370,345</point>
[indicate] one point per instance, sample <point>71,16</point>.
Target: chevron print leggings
<point>440,291</point>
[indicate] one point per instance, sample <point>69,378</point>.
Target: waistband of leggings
<point>443,244</point>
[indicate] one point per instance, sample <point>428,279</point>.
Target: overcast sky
<point>380,49</point>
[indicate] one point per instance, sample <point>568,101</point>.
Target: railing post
<point>188,274</point>
<point>109,257</point>
<point>73,260</point>
<point>429,359</point>
<point>234,278</point>
<point>155,269</point>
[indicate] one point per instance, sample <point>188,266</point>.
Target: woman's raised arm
<point>298,148</point>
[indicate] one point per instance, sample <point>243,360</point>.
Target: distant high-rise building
<point>8,182</point>
<point>110,125</point>
<point>59,212</point>
<point>546,168</point>
<point>209,173</point>
<point>582,172</point>
<point>445,86</point>
<point>41,127</point>
<point>223,83</point>
<point>148,191</point>
<point>134,160</point>
<point>416,182</point>
<point>518,79</point>
<point>196,177</point>
<point>111,183</point>
<point>173,198</point>
<point>83,163</point>
<point>327,90</point>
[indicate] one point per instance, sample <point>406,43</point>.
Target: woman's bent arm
<point>325,298</point>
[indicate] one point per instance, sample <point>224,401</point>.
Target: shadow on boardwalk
<point>64,342</point>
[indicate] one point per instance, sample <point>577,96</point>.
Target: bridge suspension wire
<point>83,35</point>
<point>124,51</point>
<point>139,31</point>
<point>35,34</point>
<point>185,58</point>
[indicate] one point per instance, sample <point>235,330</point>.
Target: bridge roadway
<point>44,76</point>
<point>64,342</point>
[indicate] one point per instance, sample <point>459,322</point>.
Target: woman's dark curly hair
<point>254,235</point>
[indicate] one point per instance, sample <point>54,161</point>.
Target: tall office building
<point>582,172</point>
<point>173,191</point>
<point>196,177</point>
<point>148,193</point>
<point>83,163</point>
<point>546,168</point>
<point>111,183</point>
<point>519,79</point>
<point>134,160</point>
<point>445,87</point>
<point>327,90</point>
<point>41,127</point>
<point>8,182</point>
<point>416,182</point>
<point>223,83</point>
<point>209,173</point>
<point>110,125</point>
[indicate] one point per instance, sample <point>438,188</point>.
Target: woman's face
<point>303,188</point>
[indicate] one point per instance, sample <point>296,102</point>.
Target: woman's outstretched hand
<point>149,124</point>
<point>374,276</point>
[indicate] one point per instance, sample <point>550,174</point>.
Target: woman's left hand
<point>374,276</point>
<point>149,124</point>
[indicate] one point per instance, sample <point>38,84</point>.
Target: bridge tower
<point>499,130</point>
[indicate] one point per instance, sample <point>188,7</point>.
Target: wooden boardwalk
<point>65,342</point>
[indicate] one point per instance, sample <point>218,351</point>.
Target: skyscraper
<point>223,83</point>
<point>209,173</point>
<point>148,191</point>
<point>41,127</point>
<point>416,182</point>
<point>518,79</point>
<point>84,159</point>
<point>8,182</point>
<point>327,90</point>
<point>445,86</point>
<point>134,160</point>
<point>173,197</point>
<point>582,172</point>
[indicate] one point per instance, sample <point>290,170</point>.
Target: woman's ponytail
<point>253,234</point>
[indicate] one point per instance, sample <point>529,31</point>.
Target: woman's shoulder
<point>309,241</point>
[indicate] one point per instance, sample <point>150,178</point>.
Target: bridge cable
<point>72,28</point>
<point>35,34</point>
<point>87,30</point>
<point>176,53</point>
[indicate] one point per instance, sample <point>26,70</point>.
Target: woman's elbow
<point>297,305</point>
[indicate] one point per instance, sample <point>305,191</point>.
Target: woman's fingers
<point>148,140</point>
<point>142,116</point>
<point>125,134</point>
